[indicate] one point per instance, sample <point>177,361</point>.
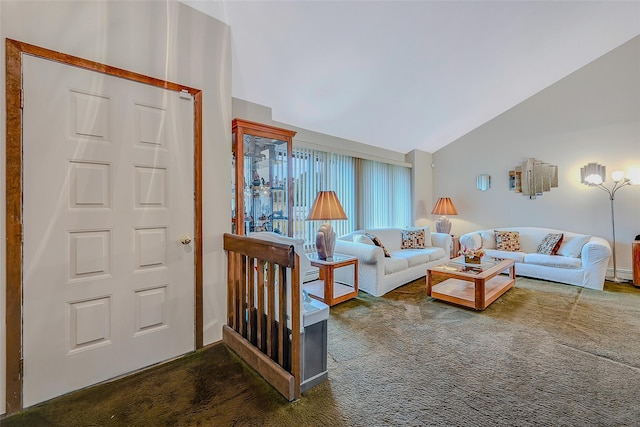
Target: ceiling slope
<point>407,75</point>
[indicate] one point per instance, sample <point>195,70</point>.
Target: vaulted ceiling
<point>407,75</point>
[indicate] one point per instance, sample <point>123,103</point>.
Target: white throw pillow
<point>361,238</point>
<point>572,245</point>
<point>488,239</point>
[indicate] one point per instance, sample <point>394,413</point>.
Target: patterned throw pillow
<point>413,239</point>
<point>507,241</point>
<point>550,244</point>
<point>378,243</point>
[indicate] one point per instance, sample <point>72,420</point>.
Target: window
<point>373,194</point>
<point>314,171</point>
<point>384,195</point>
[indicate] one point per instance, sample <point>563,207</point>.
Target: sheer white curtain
<point>315,171</point>
<point>384,195</point>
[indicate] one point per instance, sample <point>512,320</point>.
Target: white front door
<point>108,195</point>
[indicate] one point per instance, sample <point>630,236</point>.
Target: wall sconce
<point>483,182</point>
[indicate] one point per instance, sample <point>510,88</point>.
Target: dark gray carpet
<point>543,354</point>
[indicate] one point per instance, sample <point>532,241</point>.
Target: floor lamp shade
<point>593,175</point>
<point>326,207</point>
<point>444,206</point>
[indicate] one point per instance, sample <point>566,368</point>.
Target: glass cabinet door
<point>262,184</point>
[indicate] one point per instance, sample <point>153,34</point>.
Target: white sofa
<point>378,274</point>
<point>581,259</point>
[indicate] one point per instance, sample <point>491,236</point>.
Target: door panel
<point>108,192</point>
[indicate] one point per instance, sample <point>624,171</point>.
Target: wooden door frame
<point>14,182</point>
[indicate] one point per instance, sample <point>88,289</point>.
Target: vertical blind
<point>314,171</point>
<point>373,194</point>
<point>384,193</point>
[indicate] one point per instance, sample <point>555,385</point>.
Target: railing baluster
<point>261,339</point>
<point>271,310</point>
<point>283,335</point>
<point>251,310</point>
<point>243,297</point>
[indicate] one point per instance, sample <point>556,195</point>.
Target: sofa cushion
<point>572,245</point>
<point>378,243</point>
<point>413,256</point>
<point>550,244</point>
<point>494,253</point>
<point>413,238</point>
<point>553,260</point>
<point>436,253</point>
<point>507,240</point>
<point>395,264</point>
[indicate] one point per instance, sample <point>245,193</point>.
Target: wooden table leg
<point>355,278</point>
<point>328,286</point>
<point>429,282</point>
<point>479,296</point>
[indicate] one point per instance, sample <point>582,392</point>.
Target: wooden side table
<point>326,289</point>
<point>455,246</point>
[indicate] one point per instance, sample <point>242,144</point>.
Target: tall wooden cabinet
<point>262,184</point>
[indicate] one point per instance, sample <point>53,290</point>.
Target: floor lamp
<point>594,175</point>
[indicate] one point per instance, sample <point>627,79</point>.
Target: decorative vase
<point>471,260</point>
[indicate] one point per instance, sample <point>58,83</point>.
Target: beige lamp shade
<point>326,207</point>
<point>444,206</point>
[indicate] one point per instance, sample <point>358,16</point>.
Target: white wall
<point>592,115</point>
<point>316,140</point>
<point>162,39</point>
<point>421,187</point>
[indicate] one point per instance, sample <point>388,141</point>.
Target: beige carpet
<point>543,354</point>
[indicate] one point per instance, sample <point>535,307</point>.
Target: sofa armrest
<point>595,251</point>
<point>471,240</point>
<point>368,254</point>
<point>442,240</point>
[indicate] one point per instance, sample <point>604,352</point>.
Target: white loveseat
<point>581,259</point>
<point>378,274</point>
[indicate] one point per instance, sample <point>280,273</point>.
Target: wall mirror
<point>483,182</point>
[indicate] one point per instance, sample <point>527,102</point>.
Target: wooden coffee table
<point>471,285</point>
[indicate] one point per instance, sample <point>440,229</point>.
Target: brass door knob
<point>185,240</point>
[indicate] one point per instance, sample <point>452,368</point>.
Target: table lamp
<point>444,206</point>
<point>326,207</point>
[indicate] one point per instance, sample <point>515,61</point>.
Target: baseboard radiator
<point>257,301</point>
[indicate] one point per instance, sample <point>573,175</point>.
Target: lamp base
<point>616,279</point>
<point>443,225</point>
<point>325,242</point>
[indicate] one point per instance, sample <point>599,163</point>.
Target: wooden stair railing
<point>256,326</point>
